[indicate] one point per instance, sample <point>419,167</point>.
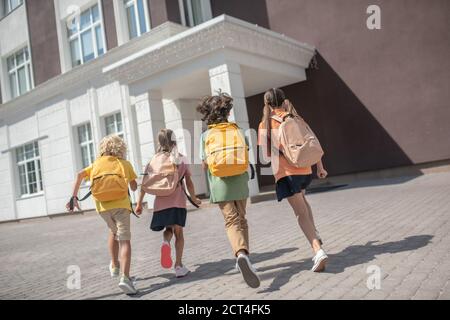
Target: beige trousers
<point>236,224</point>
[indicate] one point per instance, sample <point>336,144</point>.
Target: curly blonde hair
<point>113,145</point>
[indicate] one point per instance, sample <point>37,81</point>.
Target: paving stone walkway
<point>399,227</point>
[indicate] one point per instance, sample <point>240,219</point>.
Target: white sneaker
<point>115,272</point>
<point>181,272</point>
<point>239,270</point>
<point>320,260</point>
<point>248,271</point>
<point>127,286</point>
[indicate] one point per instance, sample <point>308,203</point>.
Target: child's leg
<point>125,257</point>
<point>236,225</point>
<point>179,245</point>
<point>241,208</point>
<point>309,209</point>
<point>168,234</point>
<point>122,220</point>
<point>310,214</point>
<point>113,246</point>
<point>166,250</point>
<point>297,203</point>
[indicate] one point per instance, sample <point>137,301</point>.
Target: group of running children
<point>286,140</point>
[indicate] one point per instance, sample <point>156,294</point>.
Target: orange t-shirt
<point>280,167</point>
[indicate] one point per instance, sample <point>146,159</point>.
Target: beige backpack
<point>297,141</point>
<point>161,175</point>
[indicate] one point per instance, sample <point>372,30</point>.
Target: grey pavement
<point>399,226</point>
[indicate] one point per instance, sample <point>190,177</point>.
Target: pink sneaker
<point>166,255</point>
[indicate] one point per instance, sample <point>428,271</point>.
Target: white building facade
<point>51,131</point>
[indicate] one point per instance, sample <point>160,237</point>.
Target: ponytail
<point>290,108</point>
<point>266,121</point>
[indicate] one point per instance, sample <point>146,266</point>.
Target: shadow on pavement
<point>361,183</point>
<point>338,262</point>
<point>350,256</point>
<point>203,271</point>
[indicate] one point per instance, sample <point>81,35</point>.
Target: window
<point>113,125</point>
<point>136,17</point>
<point>10,5</point>
<point>86,144</point>
<point>194,12</point>
<point>29,166</point>
<point>19,72</point>
<point>86,38</point>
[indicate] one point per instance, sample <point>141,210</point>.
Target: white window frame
<point>206,12</point>
<point>87,143</point>
<point>37,166</point>
<point>28,72</point>
<point>128,3</point>
<point>116,130</point>
<point>8,8</point>
<point>91,28</point>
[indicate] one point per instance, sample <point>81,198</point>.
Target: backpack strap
<point>277,118</point>
<point>252,169</point>
<point>131,205</point>
<point>282,119</point>
<point>187,195</point>
<point>71,202</point>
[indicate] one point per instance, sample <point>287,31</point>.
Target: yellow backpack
<point>108,180</point>
<point>226,150</point>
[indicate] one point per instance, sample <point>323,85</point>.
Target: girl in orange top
<point>291,181</point>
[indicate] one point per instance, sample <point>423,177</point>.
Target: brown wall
<point>43,40</point>
<point>162,11</point>
<point>379,98</point>
<point>254,11</point>
<point>109,23</point>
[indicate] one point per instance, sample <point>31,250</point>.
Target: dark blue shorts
<point>288,186</point>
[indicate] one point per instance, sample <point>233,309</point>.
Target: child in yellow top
<point>116,213</point>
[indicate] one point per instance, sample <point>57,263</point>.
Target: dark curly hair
<point>216,109</point>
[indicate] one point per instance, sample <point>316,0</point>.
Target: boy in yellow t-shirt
<point>116,212</point>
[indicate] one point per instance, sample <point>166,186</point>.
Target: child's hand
<point>197,201</point>
<point>75,205</point>
<point>322,173</point>
<point>138,209</point>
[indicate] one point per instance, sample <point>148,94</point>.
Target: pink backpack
<point>297,141</point>
<point>161,175</point>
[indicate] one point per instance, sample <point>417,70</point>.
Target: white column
<point>8,183</point>
<point>130,128</point>
<point>121,22</point>
<point>4,82</point>
<point>61,31</point>
<point>150,120</point>
<point>185,121</point>
<point>95,117</point>
<point>227,78</point>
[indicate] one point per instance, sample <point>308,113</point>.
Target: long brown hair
<point>166,140</point>
<point>274,99</point>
